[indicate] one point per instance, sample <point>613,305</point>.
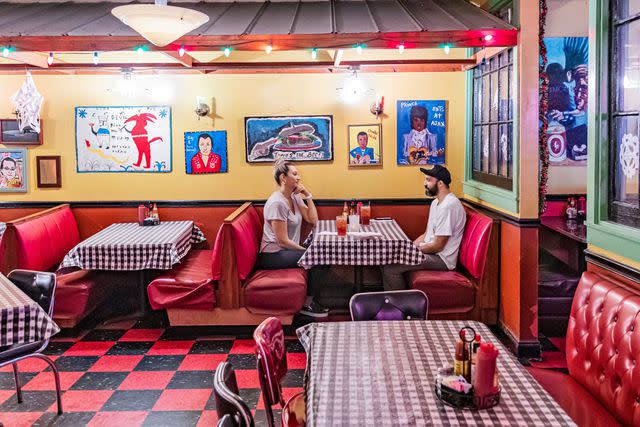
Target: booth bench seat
<point>40,242</point>
<point>243,296</point>
<point>603,345</point>
<point>471,290</point>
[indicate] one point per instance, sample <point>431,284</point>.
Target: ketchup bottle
<point>142,214</point>
<point>486,360</point>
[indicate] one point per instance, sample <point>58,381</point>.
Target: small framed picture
<point>365,145</point>
<point>48,171</point>
<point>206,152</point>
<point>13,170</point>
<point>10,134</point>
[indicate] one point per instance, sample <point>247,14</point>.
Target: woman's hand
<point>301,190</point>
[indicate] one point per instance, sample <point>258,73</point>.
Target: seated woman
<point>283,214</point>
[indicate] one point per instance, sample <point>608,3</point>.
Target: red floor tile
<point>19,419</point>
<point>32,364</point>
<point>89,348</point>
<point>183,400</point>
<point>170,348</point>
<point>5,394</point>
<point>243,347</point>
<point>287,393</point>
<point>560,342</point>
<point>83,400</point>
<point>247,378</point>
<point>296,360</point>
<point>146,380</point>
<point>125,418</point>
<point>115,364</point>
<point>551,359</point>
<point>202,362</point>
<point>208,419</point>
<point>44,381</point>
<point>142,335</point>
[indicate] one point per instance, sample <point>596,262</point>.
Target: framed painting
<point>13,170</point>
<point>421,132</point>
<point>294,138</point>
<point>365,145</point>
<point>206,152</point>
<point>48,172</point>
<point>10,134</point>
<point>123,139</point>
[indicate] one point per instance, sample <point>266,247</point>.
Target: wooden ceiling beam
<point>30,58</point>
<point>186,59</point>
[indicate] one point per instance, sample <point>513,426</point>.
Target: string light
<point>50,58</point>
<point>5,51</point>
<point>314,53</point>
<point>96,58</point>
<point>359,48</point>
<point>446,49</point>
<point>227,51</point>
<point>268,49</point>
<point>181,51</point>
<point>140,50</point>
<point>488,37</point>
<point>401,48</point>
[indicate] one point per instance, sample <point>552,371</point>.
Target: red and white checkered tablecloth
<point>382,373</point>
<point>22,320</point>
<point>129,246</point>
<point>394,247</point>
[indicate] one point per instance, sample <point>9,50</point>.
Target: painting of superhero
<point>567,74</point>
<point>421,130</point>
<point>123,139</point>
<point>205,152</point>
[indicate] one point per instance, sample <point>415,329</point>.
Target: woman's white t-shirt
<point>277,208</point>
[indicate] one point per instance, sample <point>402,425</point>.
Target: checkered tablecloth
<point>394,247</point>
<point>129,246</point>
<point>22,320</point>
<point>383,374</point>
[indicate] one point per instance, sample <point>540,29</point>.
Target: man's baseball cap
<point>438,172</point>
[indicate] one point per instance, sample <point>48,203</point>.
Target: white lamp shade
<point>160,25</point>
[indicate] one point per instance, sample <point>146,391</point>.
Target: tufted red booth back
<point>603,344</point>
<point>246,234</point>
<point>272,358</point>
<point>43,241</point>
<point>475,242</point>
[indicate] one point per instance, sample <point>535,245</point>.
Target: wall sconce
<point>377,107</point>
<point>202,109</point>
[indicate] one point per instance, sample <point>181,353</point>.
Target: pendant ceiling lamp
<point>159,23</point>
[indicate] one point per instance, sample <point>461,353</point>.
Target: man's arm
<point>434,247</point>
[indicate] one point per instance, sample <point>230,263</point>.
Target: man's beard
<point>431,192</point>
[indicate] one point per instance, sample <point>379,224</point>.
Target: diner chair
<point>272,367</point>
<point>40,287</point>
<point>411,304</point>
<point>232,410</point>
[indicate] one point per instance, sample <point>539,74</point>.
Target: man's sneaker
<point>314,310</point>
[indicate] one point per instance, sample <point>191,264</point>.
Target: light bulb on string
<point>6,51</point>
<point>227,51</point>
<point>447,49</point>
<point>96,58</point>
<point>401,48</point>
<point>50,58</point>
<point>268,49</point>
<point>140,50</point>
<point>359,48</point>
<point>181,51</point>
<point>488,37</point>
<point>314,53</point>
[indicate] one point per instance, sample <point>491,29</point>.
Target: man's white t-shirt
<point>447,219</point>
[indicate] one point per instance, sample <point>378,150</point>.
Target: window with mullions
<point>493,89</point>
<point>624,132</point>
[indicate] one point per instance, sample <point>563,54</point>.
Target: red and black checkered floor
<point>137,376</point>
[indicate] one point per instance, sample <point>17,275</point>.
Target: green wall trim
<point>496,196</point>
<point>616,238</point>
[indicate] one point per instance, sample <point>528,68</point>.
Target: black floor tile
<point>546,344</point>
<point>132,400</point>
<point>104,335</point>
<point>242,361</point>
<point>75,363</point>
<point>130,348</point>
<point>211,346</point>
<point>7,382</point>
<point>70,419</point>
<point>153,320</point>
<point>294,378</point>
<point>293,346</point>
<point>99,381</point>
<point>260,418</point>
<point>57,348</point>
<point>172,418</point>
<point>191,379</point>
<point>251,396</point>
<point>159,363</point>
<point>33,401</point>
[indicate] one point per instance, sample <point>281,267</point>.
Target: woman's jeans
<point>286,258</point>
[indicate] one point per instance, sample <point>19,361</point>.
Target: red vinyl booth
<point>242,296</point>
<point>41,241</point>
<point>471,290</point>
<point>603,347</point>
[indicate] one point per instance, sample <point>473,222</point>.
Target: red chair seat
<point>577,402</point>
<point>276,292</point>
<point>448,291</point>
<point>294,412</point>
<point>78,293</point>
<point>187,285</point>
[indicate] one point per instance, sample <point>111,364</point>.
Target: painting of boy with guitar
<point>423,141</point>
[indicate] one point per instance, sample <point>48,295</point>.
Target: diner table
<point>383,373</point>
<point>22,320</point>
<point>130,246</point>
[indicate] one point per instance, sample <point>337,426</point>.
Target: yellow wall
<point>237,96</point>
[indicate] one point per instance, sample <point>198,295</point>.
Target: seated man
<point>441,240</point>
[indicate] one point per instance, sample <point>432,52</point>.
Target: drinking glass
<point>341,225</point>
<point>354,222</point>
<point>365,211</point>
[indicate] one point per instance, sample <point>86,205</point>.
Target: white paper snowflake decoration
<point>629,155</point>
<point>27,102</point>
